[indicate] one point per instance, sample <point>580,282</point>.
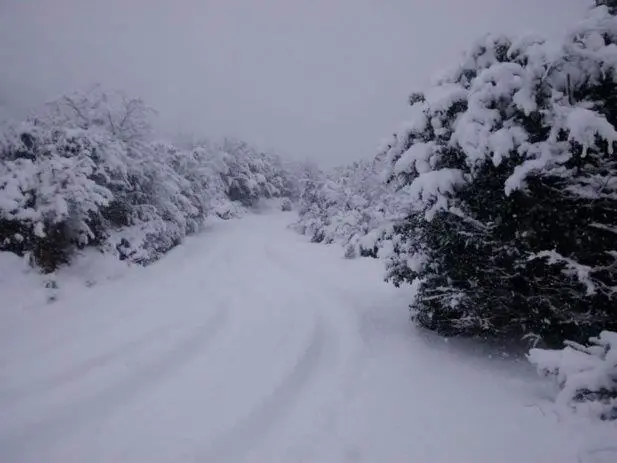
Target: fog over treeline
<point>325,79</point>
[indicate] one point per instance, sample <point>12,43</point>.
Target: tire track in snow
<point>15,443</point>
<point>235,442</point>
<point>75,372</point>
<point>341,313</point>
<point>323,281</point>
<point>116,311</point>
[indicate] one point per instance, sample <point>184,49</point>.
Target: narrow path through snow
<point>248,344</point>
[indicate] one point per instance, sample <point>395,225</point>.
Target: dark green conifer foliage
<point>539,258</point>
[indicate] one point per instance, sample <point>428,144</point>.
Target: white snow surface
<point>249,344</point>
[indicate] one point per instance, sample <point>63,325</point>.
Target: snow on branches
<point>349,205</point>
<point>507,175</point>
<point>586,375</point>
<point>86,172</point>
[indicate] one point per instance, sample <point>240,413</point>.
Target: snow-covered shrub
<point>126,119</point>
<point>85,172</point>
<point>350,206</point>
<point>250,174</point>
<point>286,205</point>
<point>508,177</point>
<point>587,375</point>
<point>50,201</point>
<point>205,166</point>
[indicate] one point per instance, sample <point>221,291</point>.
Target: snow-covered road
<point>248,344</point>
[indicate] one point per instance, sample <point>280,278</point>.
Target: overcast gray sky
<point>323,79</point>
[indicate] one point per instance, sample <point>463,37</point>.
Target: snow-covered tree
<point>86,172</point>
<point>50,201</point>
<point>125,118</point>
<point>251,174</point>
<point>349,205</point>
<point>508,174</point>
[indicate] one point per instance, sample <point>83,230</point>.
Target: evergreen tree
<point>508,172</point>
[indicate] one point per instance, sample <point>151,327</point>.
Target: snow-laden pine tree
<point>509,176</point>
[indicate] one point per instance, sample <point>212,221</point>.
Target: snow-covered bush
<point>86,172</point>
<point>587,375</point>
<point>50,201</point>
<point>286,205</point>
<point>126,119</point>
<point>251,174</point>
<point>508,177</point>
<point>350,205</point>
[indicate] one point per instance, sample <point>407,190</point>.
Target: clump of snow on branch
<point>586,375</point>
<point>505,180</point>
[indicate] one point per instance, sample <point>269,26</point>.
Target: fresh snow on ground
<point>249,344</point>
